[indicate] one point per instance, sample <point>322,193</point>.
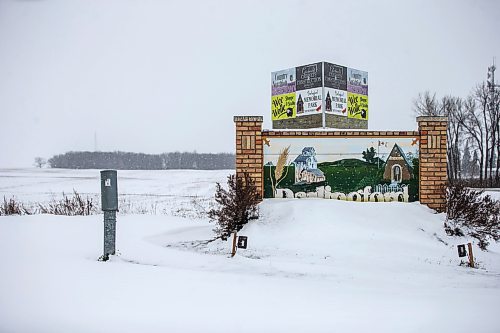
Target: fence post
<point>471,256</point>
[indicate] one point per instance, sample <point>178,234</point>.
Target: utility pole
<point>492,87</point>
<point>491,82</point>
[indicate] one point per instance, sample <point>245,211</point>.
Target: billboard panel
<point>357,81</point>
<point>321,88</point>
<point>283,106</point>
<point>357,106</point>
<point>283,82</point>
<point>309,76</point>
<point>335,76</point>
<point>335,101</point>
<point>309,101</point>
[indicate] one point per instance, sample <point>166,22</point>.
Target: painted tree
<point>369,155</point>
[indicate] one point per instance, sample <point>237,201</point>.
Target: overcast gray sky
<point>157,76</point>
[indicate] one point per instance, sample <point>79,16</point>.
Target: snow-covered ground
<point>493,192</point>
<point>312,265</point>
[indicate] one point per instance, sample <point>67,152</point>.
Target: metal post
<point>109,233</point>
<point>323,113</point>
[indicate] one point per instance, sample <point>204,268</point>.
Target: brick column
<point>433,163</point>
<point>249,151</point>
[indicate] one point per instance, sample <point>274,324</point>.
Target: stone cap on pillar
<point>249,118</point>
<point>431,118</point>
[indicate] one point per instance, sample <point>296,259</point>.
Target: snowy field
<point>312,265</point>
<point>173,192</point>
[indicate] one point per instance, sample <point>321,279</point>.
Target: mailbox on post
<point>109,190</point>
<point>109,204</point>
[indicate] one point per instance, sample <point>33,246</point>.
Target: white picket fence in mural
<point>386,188</point>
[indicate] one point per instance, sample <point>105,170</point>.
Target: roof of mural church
<point>307,152</point>
<point>402,154</point>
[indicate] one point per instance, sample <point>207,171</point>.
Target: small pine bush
<point>236,206</point>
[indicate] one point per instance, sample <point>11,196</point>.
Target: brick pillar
<point>249,151</point>
<point>433,163</point>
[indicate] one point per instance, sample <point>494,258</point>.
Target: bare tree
<point>426,104</point>
<point>40,162</point>
<point>482,95</point>
<point>471,121</point>
<point>453,108</point>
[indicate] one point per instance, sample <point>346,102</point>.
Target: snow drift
<point>311,265</point>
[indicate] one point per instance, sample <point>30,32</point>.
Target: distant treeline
<point>138,161</point>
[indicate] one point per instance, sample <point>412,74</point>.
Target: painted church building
<point>306,167</point>
<point>397,166</point>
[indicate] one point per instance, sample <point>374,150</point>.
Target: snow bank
<point>312,265</point>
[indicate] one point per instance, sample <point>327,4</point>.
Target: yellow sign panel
<point>357,106</point>
<point>283,106</point>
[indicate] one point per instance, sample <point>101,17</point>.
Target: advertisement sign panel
<point>357,81</point>
<point>309,101</point>
<point>283,106</point>
<point>323,88</point>
<point>335,76</point>
<point>309,76</point>
<point>335,101</point>
<point>357,106</point>
<point>283,82</point>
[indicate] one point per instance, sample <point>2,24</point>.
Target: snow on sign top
<point>248,118</point>
<point>320,88</point>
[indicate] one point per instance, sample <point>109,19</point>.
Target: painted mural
<point>357,169</point>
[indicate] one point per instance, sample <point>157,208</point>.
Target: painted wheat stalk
<point>280,167</point>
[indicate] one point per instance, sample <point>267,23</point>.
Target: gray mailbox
<point>109,190</point>
<point>109,204</point>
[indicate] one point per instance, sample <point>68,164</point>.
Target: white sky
<point>157,76</point>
